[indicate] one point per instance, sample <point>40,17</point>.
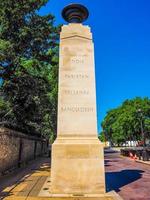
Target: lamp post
<point>144,153</point>
<point>141,125</point>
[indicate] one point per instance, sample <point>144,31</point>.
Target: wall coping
<point>13,133</point>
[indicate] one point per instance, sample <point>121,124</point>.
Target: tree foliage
<point>124,123</point>
<point>28,67</point>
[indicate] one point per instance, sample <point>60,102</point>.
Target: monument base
<point>46,194</point>
<point>77,166</point>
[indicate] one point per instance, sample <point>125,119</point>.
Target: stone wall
<point>16,149</point>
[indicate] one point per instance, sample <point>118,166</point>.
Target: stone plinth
<point>77,154</point>
<point>77,167</point>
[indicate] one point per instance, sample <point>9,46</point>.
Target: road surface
<point>128,178</point>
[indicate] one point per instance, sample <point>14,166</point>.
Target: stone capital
<point>75,30</point>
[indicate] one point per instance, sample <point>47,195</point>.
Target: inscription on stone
<point>76,92</point>
<point>79,152</point>
<point>76,109</point>
<point>78,59</point>
<point>76,76</point>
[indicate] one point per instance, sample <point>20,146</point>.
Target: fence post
<point>35,147</point>
<point>20,153</point>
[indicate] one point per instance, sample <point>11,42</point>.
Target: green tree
<point>101,136</point>
<point>28,66</point>
<point>124,123</point>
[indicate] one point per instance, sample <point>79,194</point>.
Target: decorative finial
<point>75,13</point>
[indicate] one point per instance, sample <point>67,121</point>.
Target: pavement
<point>25,182</point>
<point>131,180</point>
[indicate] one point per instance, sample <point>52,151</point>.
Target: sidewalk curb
<point>142,162</point>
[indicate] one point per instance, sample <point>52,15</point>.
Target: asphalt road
<point>128,178</point>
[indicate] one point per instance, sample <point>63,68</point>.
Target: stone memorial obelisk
<point>77,154</point>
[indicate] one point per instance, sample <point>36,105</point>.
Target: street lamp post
<point>144,152</point>
<point>141,125</point>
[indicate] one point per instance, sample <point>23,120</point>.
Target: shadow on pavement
<point>110,151</point>
<point>109,162</point>
<point>12,180</point>
<point>116,180</point>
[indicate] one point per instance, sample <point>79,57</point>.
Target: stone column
<point>77,154</point>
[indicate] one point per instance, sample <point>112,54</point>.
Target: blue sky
<point>121,32</point>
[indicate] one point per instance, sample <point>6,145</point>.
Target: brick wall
<point>17,149</point>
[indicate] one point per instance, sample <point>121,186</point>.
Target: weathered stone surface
<point>77,154</point>
<point>77,101</point>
